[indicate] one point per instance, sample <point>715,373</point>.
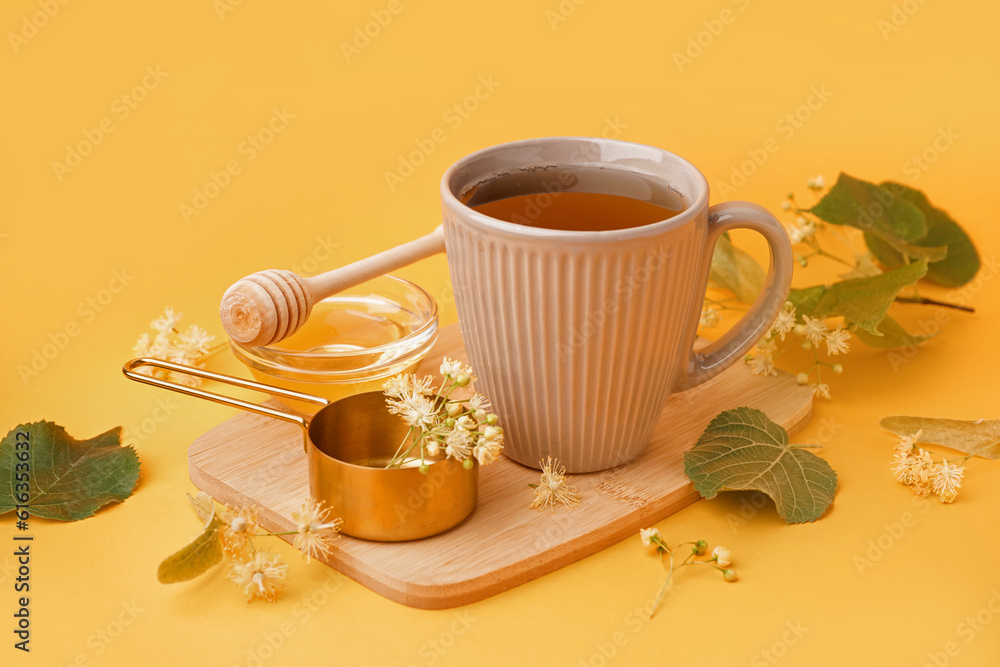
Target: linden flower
<point>486,451</point>
<point>195,341</point>
<point>417,410</point>
<point>946,480</point>
<point>821,389</point>
<point>460,427</point>
<point>816,182</point>
<point>836,341</point>
<point>189,350</point>
<point>479,405</point>
<point>813,329</point>
<point>238,529</point>
<point>167,323</point>
<point>450,367</point>
<point>315,529</point>
<point>922,473</point>
<point>710,318</point>
<point>404,386</point>
<point>902,466</point>
<point>457,443</point>
<point>262,577</point>
<point>801,231</point>
<point>650,536</point>
<point>432,446</point>
<point>762,361</point>
<point>552,488</point>
<point>762,365</point>
<point>784,322</point>
<point>908,442</point>
<point>722,556</point>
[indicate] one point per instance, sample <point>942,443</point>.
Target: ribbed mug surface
<point>577,338</point>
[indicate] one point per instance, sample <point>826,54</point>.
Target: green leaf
<point>194,559</point>
<point>893,335</point>
<point>981,437</point>
<point>741,449</point>
<point>861,301</point>
<point>955,269</point>
<point>68,479</point>
<point>735,270</point>
<point>871,208</point>
<point>901,248</point>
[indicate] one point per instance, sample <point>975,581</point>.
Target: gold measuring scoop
<point>348,444</point>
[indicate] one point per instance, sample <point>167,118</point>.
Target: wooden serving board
<point>257,461</point>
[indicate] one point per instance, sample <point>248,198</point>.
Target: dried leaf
<point>68,479</point>
<point>735,270</point>
<point>195,558</point>
<point>741,449</point>
<point>981,437</point>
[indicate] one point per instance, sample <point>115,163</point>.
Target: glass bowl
<point>350,344</point>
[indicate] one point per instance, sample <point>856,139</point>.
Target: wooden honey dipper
<point>268,306</point>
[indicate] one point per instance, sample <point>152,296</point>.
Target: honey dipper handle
<point>337,280</point>
<point>268,306</point>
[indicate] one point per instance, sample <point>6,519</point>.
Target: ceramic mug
<point>579,337</point>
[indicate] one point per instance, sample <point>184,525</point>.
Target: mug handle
<point>711,360</point>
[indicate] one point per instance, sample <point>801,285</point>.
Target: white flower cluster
<point>914,467</point>
<point>461,428</point>
<point>187,348</point>
<point>815,332</point>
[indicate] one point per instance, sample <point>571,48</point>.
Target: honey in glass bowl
<point>351,343</point>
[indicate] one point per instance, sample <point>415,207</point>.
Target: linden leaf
<point>735,270</point>
<point>956,268</point>
<point>741,449</point>
<point>893,335</point>
<point>870,208</point>
<point>861,301</point>
<point>194,559</point>
<point>981,438</point>
<point>67,479</point>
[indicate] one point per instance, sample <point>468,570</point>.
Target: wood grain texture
<point>257,461</point>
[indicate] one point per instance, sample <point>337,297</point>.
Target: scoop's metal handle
<point>129,369</point>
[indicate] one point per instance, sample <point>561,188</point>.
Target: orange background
<point>317,197</point>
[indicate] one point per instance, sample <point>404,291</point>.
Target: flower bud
<point>838,369</point>
<point>454,409</point>
<point>462,380</point>
<point>729,575</point>
<point>424,468</point>
<point>699,547</point>
<point>806,345</point>
<point>491,419</point>
<point>802,378</point>
<point>449,422</point>
<point>467,464</point>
